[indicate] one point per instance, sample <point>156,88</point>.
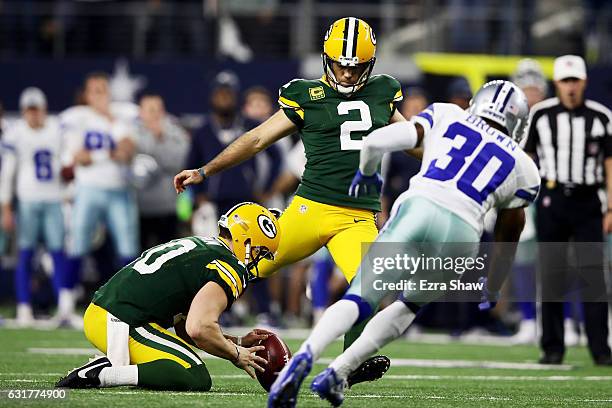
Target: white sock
<point>24,311</point>
<point>66,302</point>
<point>317,313</point>
<point>117,376</point>
<point>337,320</point>
<point>386,326</point>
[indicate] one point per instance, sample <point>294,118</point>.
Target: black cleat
<point>370,370</point>
<point>85,376</point>
<point>551,358</point>
<point>603,361</point>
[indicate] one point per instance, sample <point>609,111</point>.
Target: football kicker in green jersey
<point>332,127</point>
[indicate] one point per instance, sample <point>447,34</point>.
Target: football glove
<point>488,299</point>
<point>362,183</point>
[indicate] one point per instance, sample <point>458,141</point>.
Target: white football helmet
<point>503,103</point>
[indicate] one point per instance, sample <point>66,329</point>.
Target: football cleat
<point>285,389</point>
<point>329,387</point>
<point>86,376</point>
<point>370,370</point>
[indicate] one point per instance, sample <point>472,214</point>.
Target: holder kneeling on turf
<point>129,316</point>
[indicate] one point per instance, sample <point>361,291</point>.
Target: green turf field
<point>31,359</point>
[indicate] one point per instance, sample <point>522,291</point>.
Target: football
<point>67,173</point>
<point>277,354</point>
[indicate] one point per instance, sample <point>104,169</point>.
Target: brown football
<point>67,173</point>
<point>277,354</point>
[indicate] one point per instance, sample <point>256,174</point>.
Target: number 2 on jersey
<point>362,125</point>
<point>458,156</point>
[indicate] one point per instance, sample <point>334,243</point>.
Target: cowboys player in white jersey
<point>472,162</point>
<point>32,159</point>
<point>99,144</point>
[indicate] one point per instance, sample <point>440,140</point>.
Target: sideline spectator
<point>162,147</point>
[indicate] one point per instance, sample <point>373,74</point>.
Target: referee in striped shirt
<point>571,138</point>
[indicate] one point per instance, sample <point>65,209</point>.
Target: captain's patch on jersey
<point>267,226</point>
<point>316,93</point>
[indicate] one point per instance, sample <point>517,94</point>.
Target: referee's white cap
<point>569,66</point>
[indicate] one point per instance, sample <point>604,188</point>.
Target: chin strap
<point>331,78</point>
<point>247,252</point>
<point>247,261</point>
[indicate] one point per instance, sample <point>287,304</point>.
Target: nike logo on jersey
<point>82,372</point>
<point>356,220</point>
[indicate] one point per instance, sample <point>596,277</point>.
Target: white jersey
<point>33,156</point>
<point>469,167</point>
<point>84,128</point>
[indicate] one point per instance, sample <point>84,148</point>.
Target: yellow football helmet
<point>254,232</point>
<point>350,42</point>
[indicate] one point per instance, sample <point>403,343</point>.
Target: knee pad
<point>414,307</point>
<point>365,309</point>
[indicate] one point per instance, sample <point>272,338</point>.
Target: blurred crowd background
<point>244,30</point>
<point>188,77</point>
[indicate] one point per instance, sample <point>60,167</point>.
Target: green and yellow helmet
<point>254,232</point>
<point>350,42</point>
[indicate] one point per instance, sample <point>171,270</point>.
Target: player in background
<point>530,78</point>
<point>99,146</point>
<point>199,277</point>
<point>165,145</point>
<point>441,205</point>
<point>333,115</point>
<point>31,172</point>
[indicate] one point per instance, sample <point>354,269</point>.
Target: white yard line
<point>397,362</point>
<point>349,397</point>
<point>387,377</point>
<point>472,338</point>
<point>73,351</point>
<point>497,377</point>
<point>429,363</point>
<point>29,374</point>
<point>359,396</point>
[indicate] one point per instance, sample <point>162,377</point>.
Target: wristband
<point>237,355</point>
<point>201,173</point>
<point>239,340</point>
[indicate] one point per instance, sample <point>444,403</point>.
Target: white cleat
<point>70,321</point>
<point>25,316</point>
<point>527,333</point>
<point>571,337</point>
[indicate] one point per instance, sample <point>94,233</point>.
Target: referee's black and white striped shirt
<point>570,145</point>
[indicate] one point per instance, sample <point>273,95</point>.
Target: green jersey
<point>332,127</point>
<point>163,281</point>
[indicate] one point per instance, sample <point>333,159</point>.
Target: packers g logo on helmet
<point>267,226</point>
<point>254,231</point>
<point>349,42</point>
